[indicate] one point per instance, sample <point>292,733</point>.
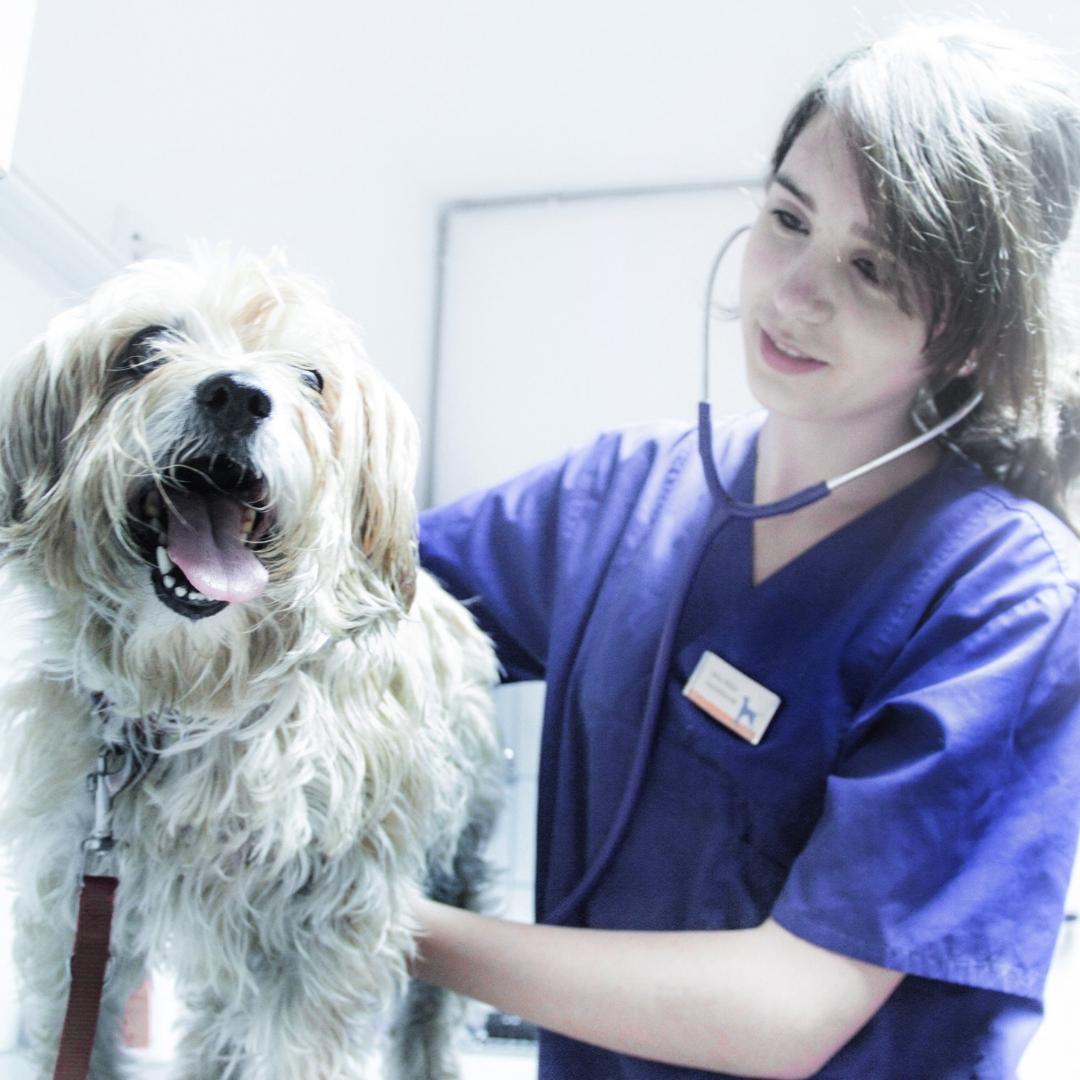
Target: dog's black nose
<point>233,403</point>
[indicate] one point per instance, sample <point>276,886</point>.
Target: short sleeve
<point>495,550</point>
<point>526,555</point>
<point>950,819</point>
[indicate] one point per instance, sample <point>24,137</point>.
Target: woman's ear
<point>968,367</point>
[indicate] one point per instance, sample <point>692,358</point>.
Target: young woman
<point>831,835</point>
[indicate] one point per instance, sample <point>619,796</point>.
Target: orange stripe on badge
<point>718,714</point>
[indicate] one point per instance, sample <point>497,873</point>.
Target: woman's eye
<point>870,272</point>
<point>788,221</point>
<point>313,378</point>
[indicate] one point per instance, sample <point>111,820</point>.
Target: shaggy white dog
<point>207,489</point>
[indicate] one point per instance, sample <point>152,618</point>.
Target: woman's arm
<point>758,1002</point>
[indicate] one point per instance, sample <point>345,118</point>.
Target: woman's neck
<point>793,455</point>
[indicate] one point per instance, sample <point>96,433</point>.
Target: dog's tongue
<point>206,541</point>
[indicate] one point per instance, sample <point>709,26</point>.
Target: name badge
<point>727,695</point>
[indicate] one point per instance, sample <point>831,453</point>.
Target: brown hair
<point>966,139</point>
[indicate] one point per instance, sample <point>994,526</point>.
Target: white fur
<point>323,747</point>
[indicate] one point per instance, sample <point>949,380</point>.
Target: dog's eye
<point>143,352</point>
<point>313,378</point>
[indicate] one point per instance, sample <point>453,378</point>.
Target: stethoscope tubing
<point>650,724</point>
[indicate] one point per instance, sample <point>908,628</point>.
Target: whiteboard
<point>562,315</point>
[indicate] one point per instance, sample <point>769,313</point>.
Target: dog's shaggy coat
<point>205,487</point>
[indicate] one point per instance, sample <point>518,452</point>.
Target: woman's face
<point>825,336</point>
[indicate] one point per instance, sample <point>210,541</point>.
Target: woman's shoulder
<point>995,540</point>
<point>626,457</point>
<point>655,439</point>
<point>661,445</point>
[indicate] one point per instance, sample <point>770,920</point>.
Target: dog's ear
<point>38,408</point>
<point>385,506</point>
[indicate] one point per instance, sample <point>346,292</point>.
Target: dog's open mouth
<point>200,531</point>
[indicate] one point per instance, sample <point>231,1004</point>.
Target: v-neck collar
<point>819,554</point>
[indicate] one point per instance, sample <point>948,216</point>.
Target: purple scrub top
<point>914,802</point>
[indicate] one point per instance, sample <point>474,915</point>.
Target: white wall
<point>17,21</point>
<point>336,129</point>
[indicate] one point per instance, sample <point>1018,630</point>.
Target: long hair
<point>966,140</point>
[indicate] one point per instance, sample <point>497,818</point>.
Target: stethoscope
<point>724,509</point>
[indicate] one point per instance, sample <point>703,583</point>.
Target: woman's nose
<point>804,288</point>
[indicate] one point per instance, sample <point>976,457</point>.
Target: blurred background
<point>517,201</point>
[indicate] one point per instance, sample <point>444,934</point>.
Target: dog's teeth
<point>170,581</point>
<point>164,563</point>
<point>195,596</point>
<point>247,522</point>
<point>180,591</point>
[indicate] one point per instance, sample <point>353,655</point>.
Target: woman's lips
<point>785,362</point>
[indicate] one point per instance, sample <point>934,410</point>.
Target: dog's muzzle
<point>200,525</point>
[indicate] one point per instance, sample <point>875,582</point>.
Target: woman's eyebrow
<point>786,182</point>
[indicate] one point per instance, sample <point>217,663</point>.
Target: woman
<point>865,876</point>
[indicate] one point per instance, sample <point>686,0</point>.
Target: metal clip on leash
<point>114,772</point>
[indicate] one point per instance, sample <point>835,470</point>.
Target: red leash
<point>116,769</point>
<point>92,933</point>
